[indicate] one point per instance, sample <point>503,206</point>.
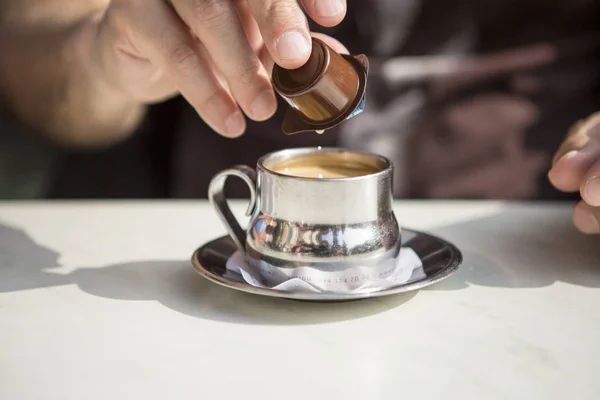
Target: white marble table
<point>98,301</point>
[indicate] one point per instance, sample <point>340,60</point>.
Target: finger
<point>218,26</point>
<point>268,62</point>
<point>250,26</point>
<point>579,135</point>
<point>284,29</point>
<point>576,155</point>
<point>569,171</point>
<point>587,218</point>
<point>331,42</point>
<point>590,188</point>
<point>326,12</point>
<point>167,41</point>
<point>257,43</point>
<point>576,140</point>
<point>592,126</point>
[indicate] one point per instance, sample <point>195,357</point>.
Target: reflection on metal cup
<point>339,232</point>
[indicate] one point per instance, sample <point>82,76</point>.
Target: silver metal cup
<point>336,233</point>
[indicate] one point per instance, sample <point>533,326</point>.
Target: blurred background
<point>470,99</point>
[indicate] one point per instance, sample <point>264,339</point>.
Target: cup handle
<point>217,198</point>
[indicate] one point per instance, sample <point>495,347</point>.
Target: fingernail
<point>292,46</point>
<point>235,124</point>
<point>329,8</point>
<point>263,105</point>
<point>570,154</point>
<point>585,221</point>
<point>591,191</point>
<point>552,174</point>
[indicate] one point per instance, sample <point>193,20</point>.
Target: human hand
<point>216,53</point>
<point>576,167</point>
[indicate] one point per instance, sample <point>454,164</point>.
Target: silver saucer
<point>440,260</point>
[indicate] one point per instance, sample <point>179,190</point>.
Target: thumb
<point>587,218</point>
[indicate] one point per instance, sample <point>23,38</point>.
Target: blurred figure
<point>470,99</point>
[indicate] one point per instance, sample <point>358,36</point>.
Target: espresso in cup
<point>325,165</point>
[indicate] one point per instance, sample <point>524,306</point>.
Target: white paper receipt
<point>407,268</point>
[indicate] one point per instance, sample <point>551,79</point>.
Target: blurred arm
<point>49,79</point>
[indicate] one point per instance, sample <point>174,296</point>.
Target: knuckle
<point>211,102</point>
<point>210,13</point>
<point>122,26</point>
<point>592,125</point>
<point>577,141</point>
<point>282,15</point>
<point>248,72</point>
<point>182,60</point>
<point>124,31</point>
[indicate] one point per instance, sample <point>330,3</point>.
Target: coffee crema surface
<point>328,165</point>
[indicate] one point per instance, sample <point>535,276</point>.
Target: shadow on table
<point>534,255</point>
<point>25,265</point>
<point>178,287</point>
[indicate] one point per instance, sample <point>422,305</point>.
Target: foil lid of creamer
<point>329,89</point>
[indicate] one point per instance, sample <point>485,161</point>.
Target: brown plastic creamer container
<point>324,92</point>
